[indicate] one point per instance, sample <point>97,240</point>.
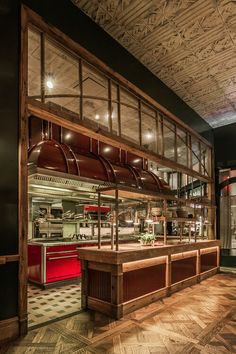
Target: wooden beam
<point>99,220</point>
<point>9,258</point>
<point>23,179</point>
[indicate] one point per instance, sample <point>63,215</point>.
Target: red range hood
<point>58,157</point>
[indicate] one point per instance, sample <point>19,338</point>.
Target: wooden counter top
<point>134,252</point>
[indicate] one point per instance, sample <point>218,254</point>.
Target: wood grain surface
<point>199,319</point>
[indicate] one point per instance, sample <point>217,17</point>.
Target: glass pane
<point>149,129</point>
<point>34,80</point>
<point>127,98</point>
<point>159,136</point>
<point>195,154</point>
<point>181,147</point>
<point>114,109</point>
<point>169,140</point>
<point>148,110</point>
<point>129,117</point>
<point>61,78</point>
<point>94,83</point>
<point>114,117</point>
<point>96,112</point>
<point>204,159</point>
<point>207,161</point>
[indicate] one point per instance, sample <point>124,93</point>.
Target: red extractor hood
<point>54,156</point>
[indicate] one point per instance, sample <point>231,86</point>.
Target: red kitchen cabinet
<point>53,263</point>
<point>62,263</point>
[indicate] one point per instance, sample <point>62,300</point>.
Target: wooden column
<point>112,230</point>
<point>168,275</point>
<point>165,230</point>
<point>23,181</point>
<point>195,225</point>
<point>198,266</point>
<point>117,290</point>
<point>218,257</point>
<point>117,222</point>
<point>84,284</point>
<point>189,232</point>
<point>99,220</point>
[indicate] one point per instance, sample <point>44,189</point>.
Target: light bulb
<point>97,117</point>
<point>49,84</point>
<point>149,134</point>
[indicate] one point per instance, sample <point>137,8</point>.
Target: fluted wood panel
<point>99,284</point>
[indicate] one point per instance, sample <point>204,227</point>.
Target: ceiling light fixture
<point>149,134</point>
<point>50,81</point>
<point>97,117</point>
<point>49,84</point>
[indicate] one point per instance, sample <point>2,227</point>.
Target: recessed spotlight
<point>68,136</point>
<point>97,117</point>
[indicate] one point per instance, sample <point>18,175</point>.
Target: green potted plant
<point>147,239</point>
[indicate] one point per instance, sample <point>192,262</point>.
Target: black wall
<point>70,20</point>
<point>9,93</point>
<point>225,146</point>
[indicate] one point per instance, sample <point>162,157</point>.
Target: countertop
<point>41,242</point>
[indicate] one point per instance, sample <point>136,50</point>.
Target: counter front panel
<point>119,282</point>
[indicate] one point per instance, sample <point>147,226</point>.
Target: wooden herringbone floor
<point>200,319</point>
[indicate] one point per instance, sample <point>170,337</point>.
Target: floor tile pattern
<point>197,320</point>
<point>51,304</point>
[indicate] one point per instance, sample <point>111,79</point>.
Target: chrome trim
<point>63,257</point>
<point>43,265</point>
<point>55,252</point>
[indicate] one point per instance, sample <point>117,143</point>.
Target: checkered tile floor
<point>52,304</point>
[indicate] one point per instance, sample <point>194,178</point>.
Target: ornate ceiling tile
<point>189,44</point>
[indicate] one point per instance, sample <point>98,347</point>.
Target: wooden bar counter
<point>119,282</point>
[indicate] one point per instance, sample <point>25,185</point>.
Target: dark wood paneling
<point>9,290</point>
<point>143,281</point>
<point>208,261</point>
<point>9,138</point>
<point>99,284</point>
<point>183,269</point>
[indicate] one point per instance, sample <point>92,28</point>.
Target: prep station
<point>130,230</point>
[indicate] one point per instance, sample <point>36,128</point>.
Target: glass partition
<point>115,109</point>
<point>34,64</point>
<point>169,140</point>
<point>64,81</point>
<point>181,138</point>
<point>196,155</point>
<point>149,128</point>
<point>129,116</point>
<point>61,78</point>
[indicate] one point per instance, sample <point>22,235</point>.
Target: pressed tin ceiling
<point>189,44</point>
